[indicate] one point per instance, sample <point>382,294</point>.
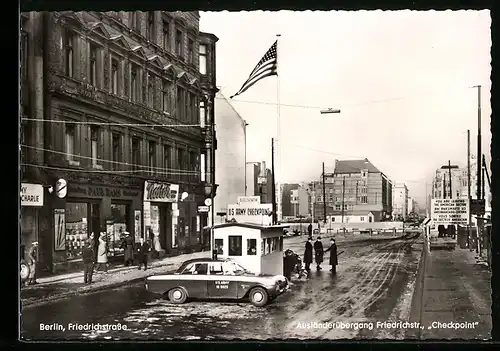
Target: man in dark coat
<point>333,256</point>
<point>128,247</point>
<point>88,262</point>
<point>142,253</point>
<point>318,252</point>
<point>308,254</point>
<point>310,229</point>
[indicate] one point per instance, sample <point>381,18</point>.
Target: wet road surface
<point>374,283</point>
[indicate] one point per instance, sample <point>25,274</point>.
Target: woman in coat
<point>128,247</point>
<point>308,254</point>
<point>333,256</point>
<point>102,254</point>
<point>318,251</point>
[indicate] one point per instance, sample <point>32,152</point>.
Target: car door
<point>221,282</point>
<point>194,279</point>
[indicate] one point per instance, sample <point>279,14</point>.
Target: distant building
<point>265,184</point>
<point>410,205</point>
<point>415,206</point>
<point>356,191</point>
<point>252,171</point>
<point>229,156</point>
<point>400,201</point>
<point>299,199</point>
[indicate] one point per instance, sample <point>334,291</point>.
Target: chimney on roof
<point>263,168</point>
<point>366,160</point>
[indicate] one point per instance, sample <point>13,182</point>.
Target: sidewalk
<point>58,287</point>
<point>452,286</point>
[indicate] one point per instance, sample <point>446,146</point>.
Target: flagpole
<point>278,127</point>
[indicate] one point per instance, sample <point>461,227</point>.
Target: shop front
<point>160,215</point>
<point>94,209</point>
<point>32,199</point>
<point>190,220</point>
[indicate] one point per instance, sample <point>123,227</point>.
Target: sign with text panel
<point>258,214</point>
<point>450,211</point>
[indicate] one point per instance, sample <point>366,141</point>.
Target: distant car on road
<point>217,279</point>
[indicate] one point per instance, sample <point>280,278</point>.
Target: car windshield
<point>240,270</point>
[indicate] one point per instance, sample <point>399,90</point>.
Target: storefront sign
<point>248,200</point>
<point>203,209</point>
<point>160,192</point>
<point>137,225</point>
<point>61,188</point>
<point>59,229</point>
<point>101,191</point>
<point>31,195</point>
<point>449,211</point>
<point>258,214</point>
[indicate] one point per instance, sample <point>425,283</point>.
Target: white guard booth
<point>250,238</point>
<point>257,248</point>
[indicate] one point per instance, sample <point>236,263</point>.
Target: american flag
<point>267,66</point>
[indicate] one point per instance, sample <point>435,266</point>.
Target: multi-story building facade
<point>252,178</point>
<point>299,200</point>
<point>119,105</point>
<point>287,204</point>
<point>230,156</point>
<point>356,192</point>
<point>399,201</point>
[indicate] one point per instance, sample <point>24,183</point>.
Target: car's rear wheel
<point>177,295</point>
<point>258,297</point>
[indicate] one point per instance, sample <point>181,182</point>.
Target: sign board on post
<point>477,207</point>
<point>203,209</point>
<point>450,211</point>
<point>160,192</point>
<point>258,214</point>
<point>31,194</point>
<point>248,200</point>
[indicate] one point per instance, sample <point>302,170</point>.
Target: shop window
<point>252,247</point>
<point>219,246</point>
<point>203,59</point>
<point>76,228</point>
<point>235,245</point>
<point>29,220</point>
<point>116,227</point>
<point>155,218</point>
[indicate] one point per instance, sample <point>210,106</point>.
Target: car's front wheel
<point>177,295</point>
<point>258,297</point>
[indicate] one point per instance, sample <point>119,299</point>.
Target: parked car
<point>216,279</point>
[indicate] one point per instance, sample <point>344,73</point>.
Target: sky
<point>402,80</point>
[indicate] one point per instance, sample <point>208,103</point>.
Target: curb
<point>97,289</point>
<point>417,298</point>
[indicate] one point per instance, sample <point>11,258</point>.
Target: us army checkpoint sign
<point>450,211</point>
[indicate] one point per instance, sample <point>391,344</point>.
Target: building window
<point>151,90</point>
<point>180,103</point>
<point>151,26</point>
<point>364,199</point>
<point>190,51</point>
<point>187,106</point>
<point>166,158</point>
<point>346,207</point>
<point>68,45</point>
<point>94,144</point>
<point>165,96</point>
<point>152,156</point>
<point>115,139</point>
<point>24,55</point>
<point>252,247</point>
<point>134,84</point>
<point>203,59</point>
<point>93,64</point>
<point>181,163</point>
<point>114,76</point>
<point>235,247</point>
<point>134,21</point>
<point>70,142</point>
<point>136,158</point>
<point>166,36</point>
<point>202,114</point>
<point>120,217</point>
<point>178,43</point>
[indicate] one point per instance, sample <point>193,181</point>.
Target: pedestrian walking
<point>102,254</point>
<point>333,256</point>
<point>142,253</point>
<point>154,253</point>
<point>128,247</point>
<point>310,229</point>
<point>308,254</point>
<point>88,261</point>
<point>318,252</point>
<point>32,259</point>
<point>289,263</point>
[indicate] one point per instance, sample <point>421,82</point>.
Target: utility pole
<point>343,192</point>
<point>468,189</point>
<point>483,194</point>
<point>324,194</point>
<point>275,214</point>
<point>449,172</point>
<point>478,158</point>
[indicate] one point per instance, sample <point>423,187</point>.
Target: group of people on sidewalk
<point>98,261</point>
<point>319,253</point>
